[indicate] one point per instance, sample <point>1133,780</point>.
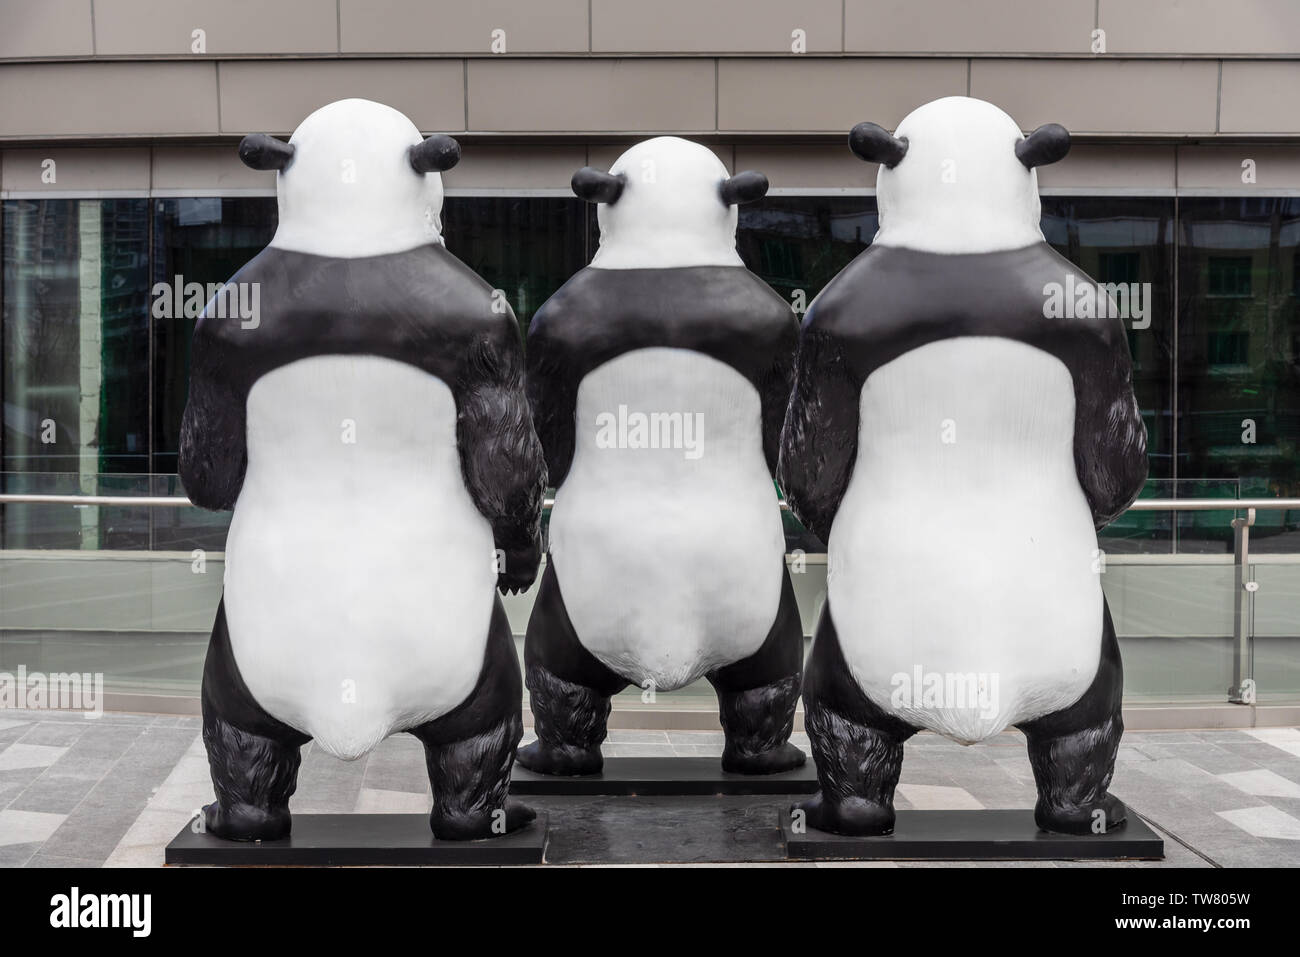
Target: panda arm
<point>553,398</point>
<point>213,450</point>
<point>1110,439</point>
<point>819,443</point>
<point>501,458</point>
<point>774,390</point>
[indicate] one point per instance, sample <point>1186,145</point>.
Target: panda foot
<point>470,827</point>
<point>1095,818</point>
<point>565,761</point>
<point>244,822</point>
<point>784,757</point>
<point>852,817</point>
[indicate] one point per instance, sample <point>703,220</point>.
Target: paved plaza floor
<point>113,791</point>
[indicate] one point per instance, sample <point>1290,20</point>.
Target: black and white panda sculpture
<point>957,449</point>
<point>371,432</point>
<point>658,378</point>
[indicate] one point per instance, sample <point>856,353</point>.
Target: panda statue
<point>658,378</point>
<point>957,442</point>
<point>371,432</point>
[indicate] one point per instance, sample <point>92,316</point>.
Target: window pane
<point>800,242</point>
<point>1128,242</point>
<point>201,240</point>
<point>1239,365</point>
<point>76,362</point>
<point>527,247</point>
<point>797,244</point>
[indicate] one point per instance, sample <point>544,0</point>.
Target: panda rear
<point>957,444</point>
<point>658,379</point>
<point>371,433</point>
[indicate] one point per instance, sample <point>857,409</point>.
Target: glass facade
<point>75,350</point>
<point>1238,375</point>
<point>95,383</point>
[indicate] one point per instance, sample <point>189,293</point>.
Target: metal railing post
<point>1243,679</point>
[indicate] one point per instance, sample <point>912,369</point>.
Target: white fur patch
<point>964,544</point>
<point>359,579</point>
<point>960,187</point>
<point>669,562</point>
<point>670,213</point>
<point>350,190</point>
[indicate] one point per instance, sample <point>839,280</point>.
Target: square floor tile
<point>378,801</point>
<point>1263,783</point>
<point>27,827</point>
<point>1288,739</point>
<point>29,756</point>
<point>1264,822</point>
<point>934,797</point>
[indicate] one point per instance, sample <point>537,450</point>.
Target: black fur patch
<point>423,307</point>
<point>724,312</point>
<point>890,301</point>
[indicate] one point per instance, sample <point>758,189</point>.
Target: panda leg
<point>252,756</point>
<point>857,746</point>
<point>470,750</point>
<point>568,689</point>
<point>757,696</point>
<point>1072,751</point>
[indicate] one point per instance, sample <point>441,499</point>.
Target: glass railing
<point>121,575</point>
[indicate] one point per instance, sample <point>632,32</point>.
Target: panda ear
<point>743,188</point>
<point>877,145</point>
<point>437,154</point>
<point>259,151</point>
<point>596,186</point>
<point>1047,144</point>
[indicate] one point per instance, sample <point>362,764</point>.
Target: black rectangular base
<point>360,840</point>
<point>663,777</point>
<point>974,835</point>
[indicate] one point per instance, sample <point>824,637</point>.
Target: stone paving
<point>113,791</point>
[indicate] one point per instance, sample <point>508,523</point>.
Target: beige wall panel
<point>1102,96</point>
<point>274,97</point>
<point>1276,167</point>
<point>590,95</point>
<point>454,26</point>
<point>603,155</point>
<point>1201,26</point>
<point>203,167</point>
<point>808,167</point>
<point>521,166</point>
<point>965,26</point>
<point>76,169</point>
<point>1260,97</point>
<point>1126,167</point>
<point>716,26</point>
<point>45,28</point>
<point>107,99</point>
<point>829,95</point>
<point>165,27</point>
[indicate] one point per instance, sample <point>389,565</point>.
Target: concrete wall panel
<point>829,95</point>
<point>274,97</point>
<point>454,26</point>
<point>230,27</point>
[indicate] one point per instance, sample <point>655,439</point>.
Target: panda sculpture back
<point>371,433</point>
<point>957,447</point>
<point>658,378</point>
